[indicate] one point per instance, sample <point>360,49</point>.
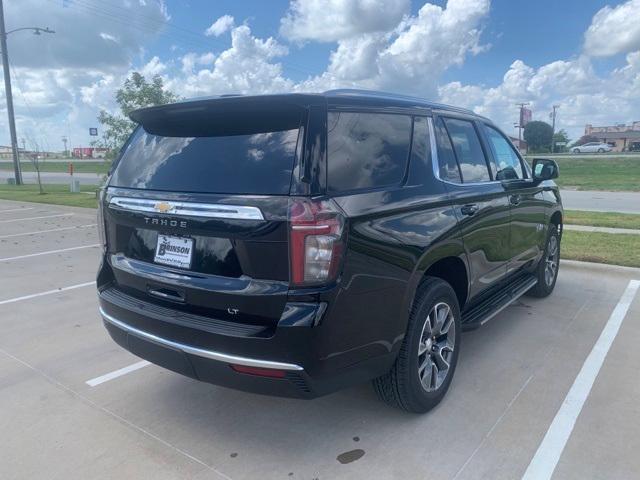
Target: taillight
<point>101,229</point>
<point>316,241</point>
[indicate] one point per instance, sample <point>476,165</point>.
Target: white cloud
<point>109,37</point>
<point>220,26</point>
<point>84,35</point>
<point>331,20</point>
<point>60,87</point>
<point>61,80</point>
<point>191,60</point>
<point>412,56</point>
<point>248,66</point>
<point>614,30</point>
<point>583,96</point>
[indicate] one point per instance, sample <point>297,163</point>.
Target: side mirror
<point>544,169</point>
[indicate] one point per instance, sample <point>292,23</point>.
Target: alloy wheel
<point>437,343</point>
<point>553,257</point>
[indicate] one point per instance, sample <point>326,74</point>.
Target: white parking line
<point>47,231</point>
<point>36,218</point>
<point>6,259</point>
<point>113,415</point>
<point>546,458</point>
<point>48,292</point>
<point>16,209</point>
<point>117,373</point>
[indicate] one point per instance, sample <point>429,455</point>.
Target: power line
<point>150,25</point>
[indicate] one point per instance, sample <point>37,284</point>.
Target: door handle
<point>166,294</point>
<point>515,199</point>
<point>469,210</point>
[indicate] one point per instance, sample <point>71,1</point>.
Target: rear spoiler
<point>225,115</point>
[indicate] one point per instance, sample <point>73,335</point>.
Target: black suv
<point>296,244</point>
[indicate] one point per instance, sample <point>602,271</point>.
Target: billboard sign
<point>93,132</point>
<point>525,116</point>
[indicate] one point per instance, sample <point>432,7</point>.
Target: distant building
<point>521,145</point>
<point>621,137</point>
<point>89,152</point>
<point>7,152</point>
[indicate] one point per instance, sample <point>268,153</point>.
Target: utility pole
<point>9,97</point>
<point>520,126</point>
<point>64,140</point>
<point>553,125</point>
<point>7,88</point>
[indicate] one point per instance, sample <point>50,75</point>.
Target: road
<point>624,202</point>
<point>51,177</point>
<point>76,406</point>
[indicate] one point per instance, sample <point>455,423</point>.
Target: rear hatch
<point>196,209</point>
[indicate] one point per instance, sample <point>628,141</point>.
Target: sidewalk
<point>597,201</point>
<point>587,228</point>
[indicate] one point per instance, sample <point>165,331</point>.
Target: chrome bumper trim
<point>200,352</point>
<point>191,209</point>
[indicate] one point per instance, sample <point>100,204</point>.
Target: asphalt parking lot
<point>524,386</point>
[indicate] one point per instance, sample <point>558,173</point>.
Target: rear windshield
<point>253,163</point>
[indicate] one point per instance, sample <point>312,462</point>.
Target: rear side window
<point>449,170</point>
<point>366,150</point>
<point>468,150</point>
<point>255,163</point>
<point>508,166</point>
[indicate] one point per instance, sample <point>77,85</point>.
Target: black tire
<point>402,386</point>
<point>601,150</point>
<point>576,150</point>
<point>545,285</point>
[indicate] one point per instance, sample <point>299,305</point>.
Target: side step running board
<point>489,308</point>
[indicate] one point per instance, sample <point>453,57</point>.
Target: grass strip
<point>610,248</point>
<point>54,194</point>
<point>602,219</point>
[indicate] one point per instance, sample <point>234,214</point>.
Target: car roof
<point>347,95</point>
<point>340,98</point>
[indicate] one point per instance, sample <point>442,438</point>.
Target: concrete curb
<point>600,267</point>
<point>65,208</point>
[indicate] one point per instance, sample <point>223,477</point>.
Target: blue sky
<point>538,32</point>
<point>481,54</point>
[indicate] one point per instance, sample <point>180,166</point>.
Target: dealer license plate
<point>174,251</point>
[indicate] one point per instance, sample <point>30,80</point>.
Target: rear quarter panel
<point>393,237</point>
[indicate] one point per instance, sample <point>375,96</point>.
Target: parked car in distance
<point>298,244</point>
<point>592,147</point>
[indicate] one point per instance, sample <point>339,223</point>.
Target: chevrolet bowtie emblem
<point>163,207</point>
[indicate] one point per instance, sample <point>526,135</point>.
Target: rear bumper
<point>211,357</point>
<point>200,352</point>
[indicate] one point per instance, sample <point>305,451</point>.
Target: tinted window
<point>257,163</point>
<point>446,157</point>
<point>468,149</point>
<point>366,150</point>
<point>420,150</point>
<point>508,164</point>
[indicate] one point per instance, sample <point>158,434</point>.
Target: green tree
<point>538,136</point>
<point>561,137</point>
<point>136,92</point>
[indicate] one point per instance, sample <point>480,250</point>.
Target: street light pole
<point>7,88</point>
<point>9,97</point>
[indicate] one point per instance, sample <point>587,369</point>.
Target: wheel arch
<point>453,271</point>
<point>446,261</point>
<point>556,219</point>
